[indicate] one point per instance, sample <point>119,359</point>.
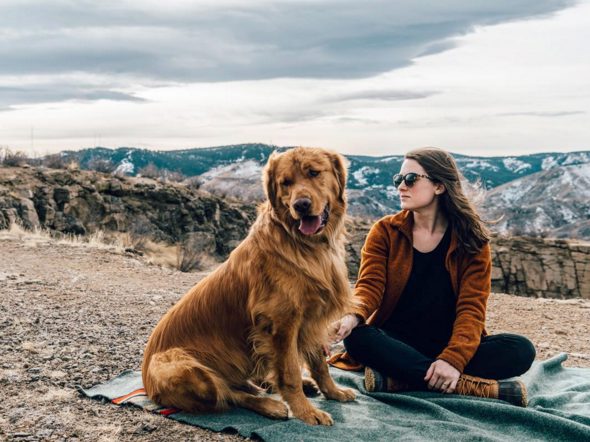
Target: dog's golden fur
<point>266,309</point>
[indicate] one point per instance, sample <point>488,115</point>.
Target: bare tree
<point>13,159</point>
<point>150,171</point>
<point>55,161</point>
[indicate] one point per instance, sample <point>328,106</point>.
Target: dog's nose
<point>302,205</point>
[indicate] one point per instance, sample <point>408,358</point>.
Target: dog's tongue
<point>309,224</point>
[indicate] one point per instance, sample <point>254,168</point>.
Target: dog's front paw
<point>275,409</point>
<point>341,394</point>
<point>313,416</point>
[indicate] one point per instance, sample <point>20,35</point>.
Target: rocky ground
<point>72,314</point>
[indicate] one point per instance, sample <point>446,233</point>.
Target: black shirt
<point>425,313</point>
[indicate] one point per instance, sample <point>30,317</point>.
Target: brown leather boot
<point>376,382</point>
<point>513,392</point>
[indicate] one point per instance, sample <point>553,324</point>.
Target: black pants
<point>498,357</point>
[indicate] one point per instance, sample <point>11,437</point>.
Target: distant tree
<point>101,165</point>
<point>73,165</point>
<point>194,182</point>
<point>55,161</point>
<point>173,176</point>
<point>13,159</point>
<point>150,171</point>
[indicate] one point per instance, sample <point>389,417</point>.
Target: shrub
<point>149,171</point>
<point>101,165</point>
<point>55,161</point>
<point>13,159</point>
<point>175,177</point>
<point>188,258</point>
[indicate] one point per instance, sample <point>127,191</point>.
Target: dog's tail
<point>175,378</point>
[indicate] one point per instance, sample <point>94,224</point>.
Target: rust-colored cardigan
<point>386,263</point>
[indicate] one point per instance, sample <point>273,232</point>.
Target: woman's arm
<point>370,285</point>
<point>474,290</point>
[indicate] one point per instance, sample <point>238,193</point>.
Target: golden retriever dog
<point>266,310</point>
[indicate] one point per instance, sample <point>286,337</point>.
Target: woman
<point>421,295</point>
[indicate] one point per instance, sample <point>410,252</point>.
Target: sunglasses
<point>408,178</point>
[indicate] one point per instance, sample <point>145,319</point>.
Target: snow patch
<point>515,191</point>
<point>576,158</point>
<point>515,165</point>
<point>567,215</point>
<point>480,164</point>
<point>549,163</point>
<point>389,159</point>
<point>125,167</point>
<point>542,221</point>
<point>391,192</point>
<point>361,175</point>
<point>242,169</point>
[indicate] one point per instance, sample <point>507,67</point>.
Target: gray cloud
<point>321,39</point>
<point>541,114</point>
<point>223,41</point>
<point>49,93</point>
<point>383,95</point>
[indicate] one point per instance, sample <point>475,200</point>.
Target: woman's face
<point>423,193</point>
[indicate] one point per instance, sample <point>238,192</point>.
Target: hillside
<point>235,171</point>
<point>554,202</point>
<point>164,219</point>
<point>84,202</point>
<point>72,314</point>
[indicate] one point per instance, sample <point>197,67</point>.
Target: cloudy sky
<point>371,77</point>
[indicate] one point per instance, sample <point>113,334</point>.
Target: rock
<point>84,202</point>
<point>28,215</point>
<point>534,267</point>
<point>61,195</point>
<point>541,267</point>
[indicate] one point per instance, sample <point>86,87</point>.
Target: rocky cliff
<point>536,267</point>
<point>81,202</point>
<point>549,268</point>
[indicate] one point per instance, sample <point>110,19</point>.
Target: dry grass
<point>37,236</point>
<point>179,257</point>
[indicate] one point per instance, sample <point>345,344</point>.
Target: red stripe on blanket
<point>167,411</point>
<point>120,400</point>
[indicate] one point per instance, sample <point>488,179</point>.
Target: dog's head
<point>306,189</point>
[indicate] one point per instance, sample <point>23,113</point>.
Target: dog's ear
<point>269,181</point>
<point>339,167</point>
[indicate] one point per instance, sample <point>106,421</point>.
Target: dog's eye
<point>286,183</point>
<point>313,173</point>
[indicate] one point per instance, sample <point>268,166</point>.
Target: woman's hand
<point>442,376</point>
<point>341,329</point>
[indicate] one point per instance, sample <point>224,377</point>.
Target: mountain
<point>364,171</point>
<point>235,171</point>
<point>189,162</point>
<point>554,202</point>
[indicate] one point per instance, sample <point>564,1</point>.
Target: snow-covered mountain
<point>513,182</point>
<point>554,202</point>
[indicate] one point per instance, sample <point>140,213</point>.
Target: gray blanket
<point>559,409</point>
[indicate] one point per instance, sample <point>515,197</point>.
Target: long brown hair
<point>461,213</point>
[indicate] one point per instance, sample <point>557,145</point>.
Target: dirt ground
<point>72,314</point>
